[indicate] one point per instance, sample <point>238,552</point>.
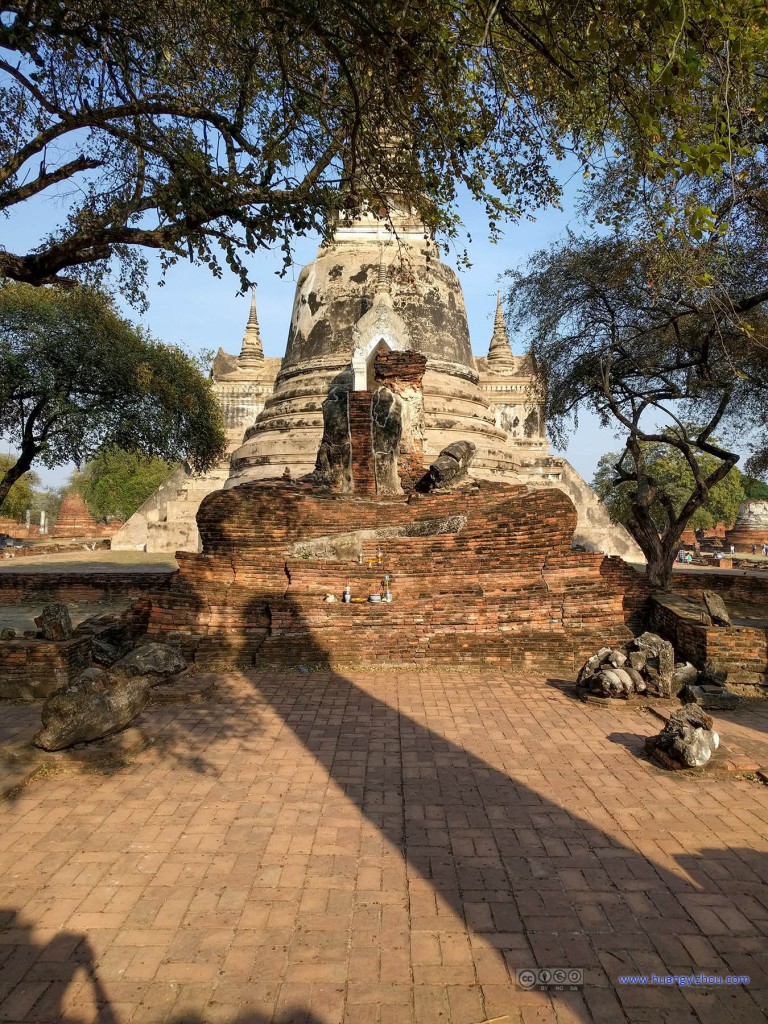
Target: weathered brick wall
<point>750,589</point>
<point>32,587</point>
<point>33,669</point>
<point>742,650</point>
<point>503,586</point>
<point>634,587</point>
<point>359,412</point>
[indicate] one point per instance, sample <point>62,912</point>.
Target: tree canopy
<point>673,476</point>
<point>75,376</point>
<point>205,129</point>
<point>667,363</point>
<point>755,490</point>
<point>116,482</point>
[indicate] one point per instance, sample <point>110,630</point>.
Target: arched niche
<point>380,326</point>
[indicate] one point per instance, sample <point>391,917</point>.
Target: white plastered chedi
<point>167,519</point>
<point>378,330</point>
<point>380,284</point>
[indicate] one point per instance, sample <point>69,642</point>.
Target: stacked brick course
<point>359,413</point>
<point>30,587</point>
<point>484,574</point>
<point>33,669</point>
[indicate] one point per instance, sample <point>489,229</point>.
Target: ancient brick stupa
<point>74,519</point>
<point>388,460</point>
<point>376,555</point>
<point>380,285</point>
<point>751,526</point>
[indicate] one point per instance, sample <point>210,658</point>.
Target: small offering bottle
<point>347,594</point>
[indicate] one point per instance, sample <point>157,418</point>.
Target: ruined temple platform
<point>383,848</point>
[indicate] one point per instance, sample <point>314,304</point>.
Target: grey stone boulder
<point>591,666</point>
<point>639,683</point>
<point>688,737</point>
<point>449,468</point>
<point>659,661</point>
<point>54,622</point>
<point>94,706</point>
<point>7,634</point>
<point>609,683</point>
<point>103,652</point>
<point>637,660</point>
<point>713,675</point>
<point>716,608</point>
<point>685,674</point>
<point>151,659</point>
<point>616,682</point>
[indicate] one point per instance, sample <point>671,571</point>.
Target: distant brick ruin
<point>74,520</point>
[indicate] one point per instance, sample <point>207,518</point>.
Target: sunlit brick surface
<point>383,849</point>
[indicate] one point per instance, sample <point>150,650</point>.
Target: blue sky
<point>198,311</point>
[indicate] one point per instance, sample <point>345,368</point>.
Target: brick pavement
<point>360,848</point>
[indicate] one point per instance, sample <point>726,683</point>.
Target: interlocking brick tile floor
<point>359,848</point>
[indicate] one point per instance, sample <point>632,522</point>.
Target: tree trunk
<point>17,470</point>
<point>659,551</point>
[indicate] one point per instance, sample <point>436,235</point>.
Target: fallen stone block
<point>54,622</point>
<point>152,659</point>
<point>716,608</point>
<point>688,737</point>
<point>94,706</point>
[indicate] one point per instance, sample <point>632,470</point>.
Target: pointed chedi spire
<point>252,350</point>
<point>500,351</point>
<point>382,278</point>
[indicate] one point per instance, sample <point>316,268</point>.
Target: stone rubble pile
<point>644,665</point>
<point>94,706</point>
<point>102,701</point>
<point>687,738</point>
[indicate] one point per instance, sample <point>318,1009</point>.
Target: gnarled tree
<point>75,376</point>
<point>650,357</point>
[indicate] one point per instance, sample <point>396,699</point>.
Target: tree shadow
<point>46,972</point>
<point>507,861</point>
<point>532,883</point>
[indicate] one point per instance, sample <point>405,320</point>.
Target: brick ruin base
<point>481,574</point>
<point>31,668</point>
<point>742,650</point>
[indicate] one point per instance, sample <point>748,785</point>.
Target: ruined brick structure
<point>378,287</point>
<point>74,520</point>
<point>481,573</point>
